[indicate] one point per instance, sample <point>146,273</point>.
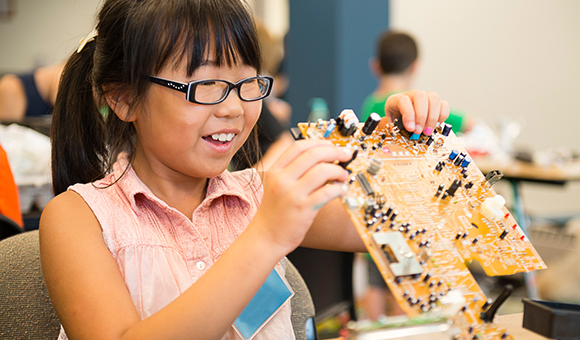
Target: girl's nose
<point>230,107</point>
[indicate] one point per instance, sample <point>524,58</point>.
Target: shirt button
<point>200,265</point>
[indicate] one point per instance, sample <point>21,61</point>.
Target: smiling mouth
<point>220,137</point>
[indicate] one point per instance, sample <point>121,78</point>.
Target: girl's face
<point>177,138</point>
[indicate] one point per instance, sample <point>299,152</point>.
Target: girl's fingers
<point>422,107</point>
<point>420,111</point>
<point>297,149</point>
<point>401,105</point>
<point>434,112</point>
<point>306,160</point>
<point>319,175</point>
<point>444,111</point>
<point>324,195</point>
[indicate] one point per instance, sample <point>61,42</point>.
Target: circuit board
<point>423,210</point>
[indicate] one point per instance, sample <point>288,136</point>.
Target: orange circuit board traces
<point>424,209</point>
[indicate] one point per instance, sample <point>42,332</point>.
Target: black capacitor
<point>458,236</point>
<point>469,185</point>
<point>393,216</point>
<point>446,129</point>
<point>383,135</point>
<point>475,240</point>
<point>465,235</point>
<point>429,141</point>
<point>371,123</point>
<point>453,187</point>
<point>439,166</point>
<point>427,277</point>
<point>363,146</point>
<point>460,159</point>
<point>504,234</point>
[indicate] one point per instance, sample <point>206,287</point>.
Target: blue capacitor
<point>453,154</point>
<point>329,129</point>
<point>465,163</point>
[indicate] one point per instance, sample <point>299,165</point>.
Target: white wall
<point>494,58</point>
<point>497,58</point>
<point>44,32</point>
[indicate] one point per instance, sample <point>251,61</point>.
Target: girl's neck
<point>177,190</point>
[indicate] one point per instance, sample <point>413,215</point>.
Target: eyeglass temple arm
<point>171,84</point>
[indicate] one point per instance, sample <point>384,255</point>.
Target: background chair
<point>8,227</point>
<point>302,306</point>
<point>27,312</point>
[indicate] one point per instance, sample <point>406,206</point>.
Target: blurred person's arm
<point>13,96</point>
<point>12,99</point>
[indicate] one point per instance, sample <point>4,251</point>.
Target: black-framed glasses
<point>214,91</point>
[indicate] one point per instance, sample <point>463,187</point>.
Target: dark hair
<point>396,52</point>
<point>136,38</point>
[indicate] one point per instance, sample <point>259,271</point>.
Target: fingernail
<point>418,129</point>
<point>348,151</point>
<point>415,136</point>
<point>411,127</point>
<point>428,131</point>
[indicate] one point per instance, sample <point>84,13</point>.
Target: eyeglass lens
<point>214,90</point>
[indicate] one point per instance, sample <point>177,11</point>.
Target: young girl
<point>162,242</point>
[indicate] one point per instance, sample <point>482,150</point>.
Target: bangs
<point>194,30</point>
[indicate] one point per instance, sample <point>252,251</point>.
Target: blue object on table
<point>269,298</point>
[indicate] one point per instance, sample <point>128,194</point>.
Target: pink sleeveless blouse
<point>161,252</point>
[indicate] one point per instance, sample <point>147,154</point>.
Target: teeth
<point>222,137</point>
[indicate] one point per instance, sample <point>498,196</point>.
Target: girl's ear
<point>119,104</point>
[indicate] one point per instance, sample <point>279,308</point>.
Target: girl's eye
<point>208,83</point>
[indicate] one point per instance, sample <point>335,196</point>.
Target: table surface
<point>513,324</point>
<point>518,170</point>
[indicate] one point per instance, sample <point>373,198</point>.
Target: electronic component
<point>403,260</point>
<point>446,129</point>
<point>453,154</point>
<point>488,315</point>
<point>493,176</point>
<point>371,123</point>
<point>329,128</point>
<point>492,207</point>
<point>374,166</point>
<point>453,188</point>
<point>346,163</point>
<point>347,122</point>
<point>364,183</point>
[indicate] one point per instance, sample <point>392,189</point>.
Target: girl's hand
<point>302,181</point>
<point>420,111</point>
